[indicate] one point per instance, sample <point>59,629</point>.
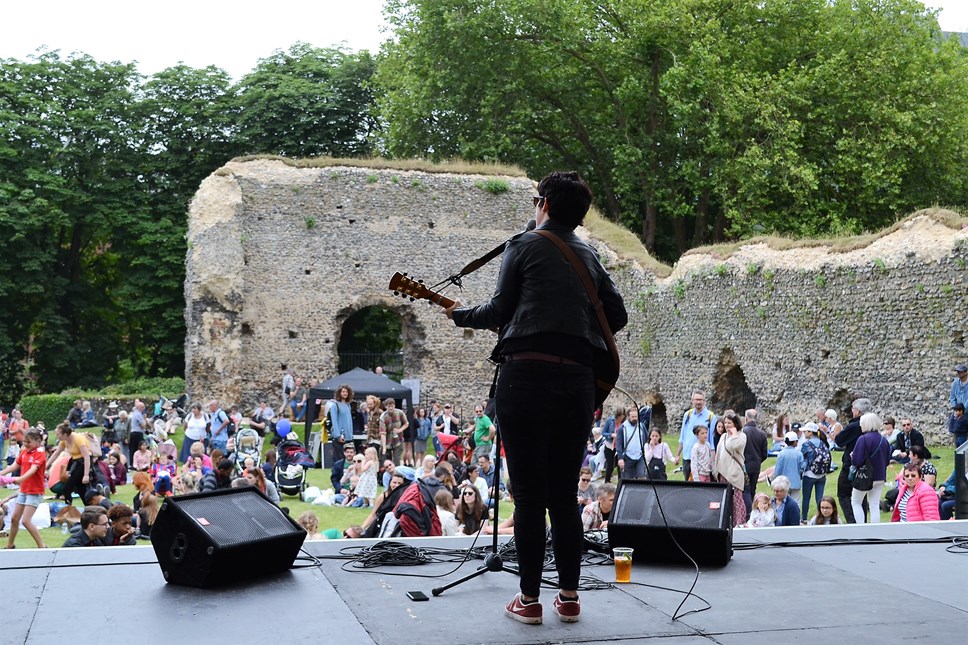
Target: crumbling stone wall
<point>279,257</point>
<point>804,328</point>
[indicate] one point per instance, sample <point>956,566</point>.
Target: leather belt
<point>540,356</point>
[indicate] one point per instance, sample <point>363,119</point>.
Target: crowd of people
<point>731,449</point>
<point>386,448</point>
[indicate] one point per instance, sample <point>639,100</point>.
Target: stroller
<point>247,445</point>
<point>292,463</point>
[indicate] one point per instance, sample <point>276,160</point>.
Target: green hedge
<point>49,408</point>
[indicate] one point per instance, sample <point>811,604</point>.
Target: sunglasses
<point>359,461</point>
<point>468,493</point>
<point>586,479</point>
<point>537,199</point>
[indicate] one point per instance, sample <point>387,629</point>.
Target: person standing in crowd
<point>698,414</point>
<point>422,434</point>
<point>813,481</point>
<point>756,452</point>
<point>288,387</point>
<point>549,334</point>
<point>629,447</point>
<point>873,446</point>
<point>447,422</point>
<point>484,432</point>
<point>791,464</point>
<point>374,411</point>
<point>393,423</point>
<point>958,395</point>
<point>656,455</point>
<point>297,402</point>
<point>32,463</point>
<point>194,431</point>
<point>340,413</point>
<point>958,424</point>
<point>846,439</point>
<point>729,464</point>
<point>609,428</point>
<point>138,423</point>
<point>16,430</point>
<point>218,427</point>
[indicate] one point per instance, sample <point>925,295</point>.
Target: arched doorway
<point>370,337</point>
<point>730,390</point>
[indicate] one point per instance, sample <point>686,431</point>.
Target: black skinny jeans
<point>545,411</point>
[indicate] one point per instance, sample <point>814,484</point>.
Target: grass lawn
<point>341,518</point>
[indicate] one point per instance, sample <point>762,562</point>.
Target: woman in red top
<point>31,462</point>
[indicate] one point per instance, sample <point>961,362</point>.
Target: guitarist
<point>548,341</point>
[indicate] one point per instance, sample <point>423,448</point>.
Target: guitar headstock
<point>403,285</point>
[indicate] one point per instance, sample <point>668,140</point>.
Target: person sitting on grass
<point>31,462</point>
<point>162,473</point>
<point>827,513</point>
<point>310,523</point>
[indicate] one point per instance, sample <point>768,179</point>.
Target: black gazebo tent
<point>363,383</point>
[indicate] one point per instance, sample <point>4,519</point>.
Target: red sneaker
<point>529,614</point>
<point>568,610</point>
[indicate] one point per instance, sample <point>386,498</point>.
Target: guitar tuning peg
<point>396,293</point>
<point>412,298</point>
<point>419,281</point>
<point>405,274</point>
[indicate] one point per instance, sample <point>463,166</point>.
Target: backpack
<point>821,460</point>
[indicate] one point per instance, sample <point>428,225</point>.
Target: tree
<point>188,132</point>
<point>69,179</point>
<point>308,102</point>
<point>694,120</point>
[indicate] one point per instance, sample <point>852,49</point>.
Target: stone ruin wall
<point>279,257</point>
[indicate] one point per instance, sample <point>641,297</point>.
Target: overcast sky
<point>230,35</point>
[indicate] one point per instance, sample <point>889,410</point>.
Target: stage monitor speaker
<point>699,516</point>
<point>224,536</point>
<point>961,482</point>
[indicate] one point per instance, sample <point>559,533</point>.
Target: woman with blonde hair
<point>374,410</point>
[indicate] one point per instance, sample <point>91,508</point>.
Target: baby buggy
<point>247,445</point>
<point>292,464</point>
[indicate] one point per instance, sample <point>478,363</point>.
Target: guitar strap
<point>586,281</point>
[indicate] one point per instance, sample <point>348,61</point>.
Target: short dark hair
<point>471,468</point>
<point>226,464</point>
<point>91,515</point>
<point>120,512</point>
<point>567,195</point>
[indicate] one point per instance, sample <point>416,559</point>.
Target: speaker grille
<point>237,519</point>
<point>684,507</point>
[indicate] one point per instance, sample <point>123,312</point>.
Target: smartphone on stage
<point>417,595</point>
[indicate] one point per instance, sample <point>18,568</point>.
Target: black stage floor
<point>856,593</point>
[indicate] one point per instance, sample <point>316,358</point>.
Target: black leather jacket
<point>538,292</point>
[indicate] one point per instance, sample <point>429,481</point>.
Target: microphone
<point>493,253</point>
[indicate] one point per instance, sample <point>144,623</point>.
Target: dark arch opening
<point>660,418</point>
<point>372,336</point>
<point>841,401</point>
<point>730,390</point>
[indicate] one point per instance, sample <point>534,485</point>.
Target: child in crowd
<point>162,473</point>
<point>790,463</point>
<point>701,456</point>
<point>310,523</point>
<point>141,460</point>
<point>352,497</point>
<point>827,513</point>
<point>367,472</point>
<point>762,514</point>
<point>31,461</point>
